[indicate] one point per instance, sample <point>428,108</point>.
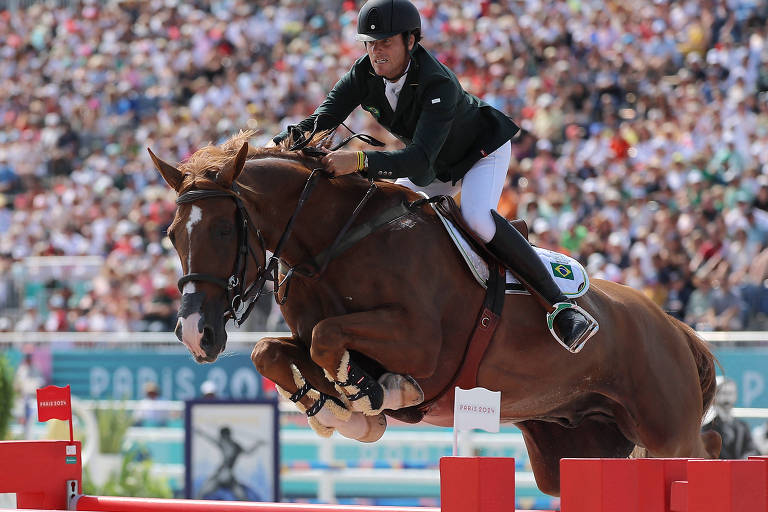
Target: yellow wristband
<point>360,161</point>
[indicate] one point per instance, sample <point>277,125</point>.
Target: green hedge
<point>6,396</point>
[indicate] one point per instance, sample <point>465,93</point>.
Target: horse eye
<point>223,230</point>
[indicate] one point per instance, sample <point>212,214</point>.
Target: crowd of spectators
<point>644,150</point>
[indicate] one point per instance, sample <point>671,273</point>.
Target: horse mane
<point>212,157</point>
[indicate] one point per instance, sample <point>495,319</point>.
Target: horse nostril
<point>177,331</point>
<point>207,341</point>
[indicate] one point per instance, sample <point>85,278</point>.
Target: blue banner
<point>748,367</point>
<point>123,375</point>
<point>119,374</point>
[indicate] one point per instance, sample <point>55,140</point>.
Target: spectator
<point>760,437</point>
<point>208,390</point>
<point>698,311</point>
<point>737,439</point>
<point>678,294</point>
<point>656,129</point>
<point>26,381</point>
<point>725,307</point>
<point>149,412</point>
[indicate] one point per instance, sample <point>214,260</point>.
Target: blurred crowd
<point>644,150</point>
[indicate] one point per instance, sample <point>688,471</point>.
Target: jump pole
<point>116,504</point>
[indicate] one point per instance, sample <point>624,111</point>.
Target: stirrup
<point>588,333</point>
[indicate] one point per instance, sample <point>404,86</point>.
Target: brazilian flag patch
<point>562,270</point>
<point>373,110</point>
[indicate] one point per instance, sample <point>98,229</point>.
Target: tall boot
<point>569,324</point>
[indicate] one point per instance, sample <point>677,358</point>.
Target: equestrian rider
<point>454,142</point>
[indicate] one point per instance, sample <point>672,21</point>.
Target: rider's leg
<point>480,192</point>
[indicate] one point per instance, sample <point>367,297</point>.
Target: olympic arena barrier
<point>48,475</point>
<point>664,485</point>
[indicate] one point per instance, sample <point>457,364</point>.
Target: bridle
<point>241,298</point>
<point>234,286</point>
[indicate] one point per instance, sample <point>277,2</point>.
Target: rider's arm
<point>416,160</point>
<point>345,96</point>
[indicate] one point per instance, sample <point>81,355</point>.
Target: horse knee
<point>325,340</point>
<point>267,353</point>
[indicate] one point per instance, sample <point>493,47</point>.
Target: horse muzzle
<point>204,339</point>
<point>204,344</point>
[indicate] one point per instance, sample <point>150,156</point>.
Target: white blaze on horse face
<point>195,216</point>
<point>191,335</point>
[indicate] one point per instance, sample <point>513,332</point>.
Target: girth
<point>485,327</point>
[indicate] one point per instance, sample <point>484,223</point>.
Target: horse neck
<point>276,186</point>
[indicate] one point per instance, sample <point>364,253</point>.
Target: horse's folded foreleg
<point>280,360</point>
<point>328,413</point>
<point>387,336</point>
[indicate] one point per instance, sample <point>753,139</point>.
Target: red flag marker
<point>54,402</point>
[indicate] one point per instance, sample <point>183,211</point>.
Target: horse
<point>402,301</point>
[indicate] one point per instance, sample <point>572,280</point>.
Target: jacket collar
<point>408,92</point>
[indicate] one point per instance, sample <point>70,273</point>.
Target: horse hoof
<point>377,425</point>
<point>400,391</point>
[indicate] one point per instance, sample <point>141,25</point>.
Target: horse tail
<point>705,364</point>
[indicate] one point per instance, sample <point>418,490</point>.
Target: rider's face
<point>389,56</point>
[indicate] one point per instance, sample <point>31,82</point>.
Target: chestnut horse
<point>402,299</point>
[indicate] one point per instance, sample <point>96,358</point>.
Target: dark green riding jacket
<point>445,129</point>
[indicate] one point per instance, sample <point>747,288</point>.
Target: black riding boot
<point>514,251</point>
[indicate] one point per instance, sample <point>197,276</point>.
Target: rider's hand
<point>340,163</point>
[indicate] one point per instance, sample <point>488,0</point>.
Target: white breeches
<point>480,190</point>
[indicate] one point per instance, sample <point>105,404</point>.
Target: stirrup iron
<point>588,333</point>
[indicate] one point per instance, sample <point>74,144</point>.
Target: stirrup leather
<point>588,333</point>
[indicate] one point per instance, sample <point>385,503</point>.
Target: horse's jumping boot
<point>364,393</point>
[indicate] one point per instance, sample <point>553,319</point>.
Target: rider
<point>454,142</point>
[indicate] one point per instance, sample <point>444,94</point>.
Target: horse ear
<point>234,167</point>
<point>170,174</point>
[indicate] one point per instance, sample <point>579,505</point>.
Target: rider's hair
<point>416,33</point>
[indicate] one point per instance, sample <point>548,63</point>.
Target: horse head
<point>208,236</point>
<point>227,219</point>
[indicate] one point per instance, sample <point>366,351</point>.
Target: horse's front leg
<point>391,337</point>
<point>286,362</point>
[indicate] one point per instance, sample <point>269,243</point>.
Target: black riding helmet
<point>380,19</point>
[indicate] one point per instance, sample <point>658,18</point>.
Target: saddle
<point>568,273</point>
<point>447,207</point>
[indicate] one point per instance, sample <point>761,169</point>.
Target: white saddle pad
<point>568,273</point>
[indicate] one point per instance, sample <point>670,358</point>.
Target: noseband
<point>234,287</point>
